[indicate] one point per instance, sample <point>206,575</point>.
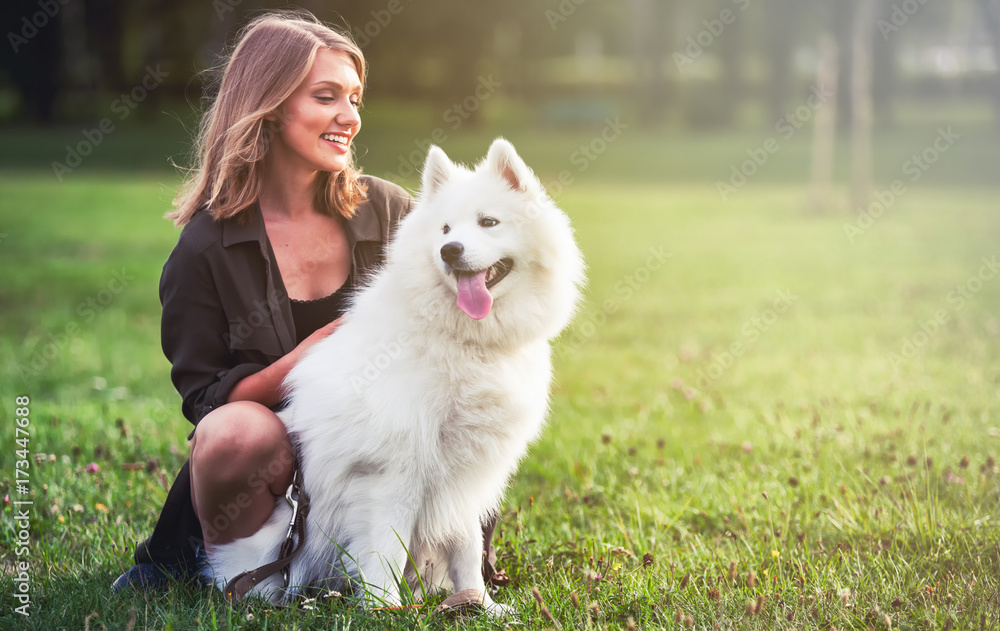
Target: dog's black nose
<point>451,252</point>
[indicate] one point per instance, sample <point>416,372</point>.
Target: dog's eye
<point>446,229</point>
<point>487,222</point>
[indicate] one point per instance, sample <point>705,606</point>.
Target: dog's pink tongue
<point>473,297</point>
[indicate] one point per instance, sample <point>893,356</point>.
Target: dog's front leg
<point>381,566</point>
<point>465,567</point>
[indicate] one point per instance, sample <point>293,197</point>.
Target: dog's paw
<point>473,601</point>
<point>500,610</point>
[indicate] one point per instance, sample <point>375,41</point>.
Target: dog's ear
<point>503,160</point>
<point>437,170</point>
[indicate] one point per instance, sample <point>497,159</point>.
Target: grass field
<point>761,420</point>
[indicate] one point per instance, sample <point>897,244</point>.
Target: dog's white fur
<point>412,416</point>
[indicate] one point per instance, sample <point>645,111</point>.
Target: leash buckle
<point>292,493</point>
<point>292,497</point>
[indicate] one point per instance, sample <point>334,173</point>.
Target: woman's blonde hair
<point>273,55</point>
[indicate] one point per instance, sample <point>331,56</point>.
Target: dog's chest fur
<point>453,448</point>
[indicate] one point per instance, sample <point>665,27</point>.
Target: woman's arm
<point>264,387</point>
<point>194,332</point>
<point>391,203</point>
<point>195,328</point>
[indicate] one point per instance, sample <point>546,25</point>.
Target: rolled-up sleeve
<point>193,333</point>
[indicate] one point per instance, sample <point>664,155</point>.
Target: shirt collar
<point>245,226</point>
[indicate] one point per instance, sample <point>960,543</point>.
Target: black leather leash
<point>295,540</point>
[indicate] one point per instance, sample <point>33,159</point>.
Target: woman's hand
<point>317,335</point>
<point>264,387</point>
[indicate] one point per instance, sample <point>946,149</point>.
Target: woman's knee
<point>241,438</point>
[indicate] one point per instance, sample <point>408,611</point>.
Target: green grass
<point>813,471</point>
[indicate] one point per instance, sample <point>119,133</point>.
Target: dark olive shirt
<point>226,314</point>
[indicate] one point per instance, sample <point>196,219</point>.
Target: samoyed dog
<point>411,418</point>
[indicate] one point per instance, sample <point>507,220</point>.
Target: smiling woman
<point>279,227</point>
<point>280,62</point>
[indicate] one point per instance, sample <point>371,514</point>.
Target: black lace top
<point>311,315</point>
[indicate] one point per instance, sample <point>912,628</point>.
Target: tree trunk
<point>825,131</point>
<point>884,75</point>
<point>779,43</point>
<point>32,57</point>
<point>861,103</point>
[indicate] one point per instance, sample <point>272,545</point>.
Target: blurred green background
<point>697,83</point>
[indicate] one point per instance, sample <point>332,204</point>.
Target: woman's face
<point>318,122</point>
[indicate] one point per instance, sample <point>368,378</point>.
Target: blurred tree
<point>780,41</point>
<point>733,53</point>
<point>32,56</point>
<point>649,52</point>
<point>105,24</point>
<point>861,102</point>
<point>884,70</point>
<point>991,15</point>
<point>841,27</point>
<point>825,128</point>
<point>710,59</point>
<point>451,40</point>
<point>586,53</point>
<point>883,64</point>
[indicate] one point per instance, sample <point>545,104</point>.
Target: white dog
<point>411,418</point>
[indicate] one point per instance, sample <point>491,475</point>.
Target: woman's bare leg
<point>241,459</point>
